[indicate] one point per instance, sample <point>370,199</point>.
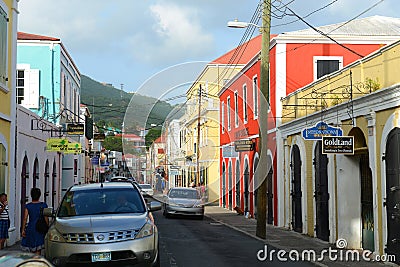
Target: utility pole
<point>197,180</point>
<point>263,168</point>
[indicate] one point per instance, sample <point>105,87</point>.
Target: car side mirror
<point>154,205</point>
<point>49,212</point>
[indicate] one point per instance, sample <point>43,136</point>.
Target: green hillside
<point>108,106</point>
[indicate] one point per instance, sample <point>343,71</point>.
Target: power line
<point>309,14</point>
<point>324,34</point>
<point>352,19</point>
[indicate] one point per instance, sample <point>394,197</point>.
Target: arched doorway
<point>270,193</point>
<point>35,172</point>
<point>24,187</point>
<point>295,167</point>
<point>392,161</point>
<point>223,185</point>
<point>230,193</point>
<point>321,193</point>
<point>54,184</point>
<point>237,173</point>
<point>246,192</point>
<point>3,167</point>
<point>46,182</point>
<point>255,184</point>
<point>367,210</point>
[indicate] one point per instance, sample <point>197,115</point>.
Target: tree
<point>113,143</point>
<point>152,135</point>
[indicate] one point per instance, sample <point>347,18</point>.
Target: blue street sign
<point>321,129</point>
<point>95,160</point>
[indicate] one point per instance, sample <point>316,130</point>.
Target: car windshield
<point>101,201</point>
<point>184,193</point>
<point>145,186</point>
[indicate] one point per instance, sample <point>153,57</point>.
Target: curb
<point>260,239</point>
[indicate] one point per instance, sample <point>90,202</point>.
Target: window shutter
<point>31,99</point>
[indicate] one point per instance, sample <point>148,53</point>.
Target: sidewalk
<point>282,238</point>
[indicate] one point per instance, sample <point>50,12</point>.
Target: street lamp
<point>240,24</point>
<point>262,167</point>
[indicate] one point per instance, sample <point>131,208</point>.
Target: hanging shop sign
<point>63,145</point>
<point>75,128</point>
<point>56,144</point>
<point>244,145</point>
<point>338,145</point>
<point>73,148</point>
<point>319,130</point>
<point>99,137</point>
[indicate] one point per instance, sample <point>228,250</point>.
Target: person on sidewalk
<point>4,219</point>
<point>32,240</point>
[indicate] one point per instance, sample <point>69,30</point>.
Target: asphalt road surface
<point>189,242</point>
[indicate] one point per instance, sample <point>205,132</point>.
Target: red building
<point>296,59</point>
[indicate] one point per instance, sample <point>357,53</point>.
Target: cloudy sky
<point>129,41</point>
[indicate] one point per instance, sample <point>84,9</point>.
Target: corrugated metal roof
<point>370,26</point>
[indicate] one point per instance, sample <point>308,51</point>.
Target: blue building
<point>48,81</point>
<point>48,84</point>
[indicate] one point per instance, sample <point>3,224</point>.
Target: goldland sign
<point>338,145</point>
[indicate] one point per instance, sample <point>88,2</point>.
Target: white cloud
<point>176,34</point>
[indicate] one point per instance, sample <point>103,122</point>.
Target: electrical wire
<point>309,14</point>
<point>352,19</point>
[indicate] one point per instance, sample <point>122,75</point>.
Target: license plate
<point>101,256</point>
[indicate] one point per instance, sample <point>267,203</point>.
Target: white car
<point>147,189</point>
<point>103,223</point>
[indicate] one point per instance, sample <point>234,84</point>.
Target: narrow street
<point>192,242</point>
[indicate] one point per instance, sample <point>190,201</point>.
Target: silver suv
<point>103,223</point>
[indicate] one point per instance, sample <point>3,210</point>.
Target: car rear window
<point>184,193</point>
<point>145,186</point>
<point>101,201</point>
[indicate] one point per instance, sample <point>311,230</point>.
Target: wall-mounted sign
<point>75,128</point>
<point>229,152</point>
<point>244,145</point>
<point>319,130</point>
<point>338,145</point>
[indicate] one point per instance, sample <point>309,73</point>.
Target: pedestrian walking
<point>4,219</point>
<point>32,240</point>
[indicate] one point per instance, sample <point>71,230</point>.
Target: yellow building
<point>8,47</point>
<point>354,194</point>
<point>201,121</point>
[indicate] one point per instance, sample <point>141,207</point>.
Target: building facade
<point>48,83</point>
<point>354,196</point>
<point>200,131</point>
<point>8,54</point>
<point>35,167</point>
<point>319,56</point>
